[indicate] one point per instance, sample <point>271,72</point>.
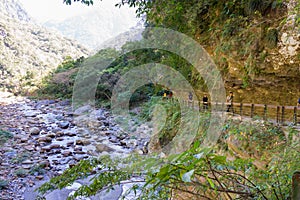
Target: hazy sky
<point>44,10</point>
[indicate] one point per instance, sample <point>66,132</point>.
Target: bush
<point>3,184</point>
<point>4,136</point>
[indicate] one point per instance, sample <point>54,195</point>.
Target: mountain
<point>13,9</point>
<point>96,26</point>
<point>29,51</point>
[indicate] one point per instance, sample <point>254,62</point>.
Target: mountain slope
<point>95,27</point>
<point>28,51</point>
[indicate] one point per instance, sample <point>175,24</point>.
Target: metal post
<point>277,114</point>
<point>295,115</point>
<point>265,112</point>
<point>282,115</point>
<point>241,109</point>
<point>252,110</point>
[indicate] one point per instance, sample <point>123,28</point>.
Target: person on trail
<point>190,96</point>
<point>299,102</point>
<point>164,95</point>
<point>170,95</point>
<point>205,102</point>
<point>229,100</point>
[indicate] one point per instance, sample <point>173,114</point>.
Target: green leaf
<point>212,185</point>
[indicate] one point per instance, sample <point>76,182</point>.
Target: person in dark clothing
<point>298,102</point>
<point>205,102</point>
<point>190,96</point>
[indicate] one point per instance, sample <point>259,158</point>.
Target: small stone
<point>34,131</point>
<point>27,162</point>
<point>30,113</point>
<point>70,144</point>
<point>45,139</point>
<point>45,164</point>
<point>78,148</point>
<point>102,147</point>
<point>51,135</point>
<point>45,149</point>
<point>79,152</point>
<point>79,142</point>
<point>66,153</point>
<point>39,177</point>
<point>123,143</point>
<point>59,134</point>
<point>26,166</point>
<point>64,161</point>
<point>54,146</point>
<point>138,151</point>
<point>24,139</point>
<point>82,110</point>
<point>71,134</point>
<point>63,125</point>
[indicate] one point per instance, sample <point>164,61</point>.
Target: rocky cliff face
<point>28,51</point>
<point>276,77</point>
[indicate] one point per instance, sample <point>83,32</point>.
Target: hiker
<point>164,95</point>
<point>170,95</point>
<point>190,96</point>
<point>229,100</point>
<point>205,102</point>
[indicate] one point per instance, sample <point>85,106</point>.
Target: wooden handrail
<point>282,114</point>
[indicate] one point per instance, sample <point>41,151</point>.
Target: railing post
<point>265,112</point>
<point>252,110</point>
<point>216,108</point>
<point>241,109</point>
<point>295,115</point>
<point>277,114</point>
<point>282,115</point>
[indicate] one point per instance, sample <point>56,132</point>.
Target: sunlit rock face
<point>277,77</point>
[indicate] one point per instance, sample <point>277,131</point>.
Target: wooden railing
<point>279,114</point>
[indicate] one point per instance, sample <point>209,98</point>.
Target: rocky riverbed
<point>48,137</point>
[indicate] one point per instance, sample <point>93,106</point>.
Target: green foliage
<point>4,136</point>
<point>3,184</point>
<point>21,172</point>
<point>20,157</point>
<point>86,2</point>
<point>59,84</point>
<point>37,169</point>
<point>272,37</point>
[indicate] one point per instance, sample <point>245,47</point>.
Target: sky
<point>45,10</point>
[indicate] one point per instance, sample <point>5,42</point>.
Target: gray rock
<point>31,113</point>
<point>44,139</point>
<point>102,147</point>
<point>82,110</point>
<point>34,131</point>
<point>63,125</point>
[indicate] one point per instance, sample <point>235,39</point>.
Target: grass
<point>4,136</point>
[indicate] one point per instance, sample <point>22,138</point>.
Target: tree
<point>87,2</point>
